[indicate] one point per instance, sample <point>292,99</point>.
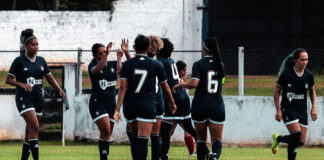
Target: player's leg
<point>155,139</point>
<point>294,140</point>
<point>166,126</point>
<point>104,127</point>
<point>201,130</point>
<point>189,140</point>
<point>26,146</point>
<point>33,126</point>
<point>143,136</point>
<point>131,130</point>
<point>216,134</point>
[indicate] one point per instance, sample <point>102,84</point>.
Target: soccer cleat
<point>275,143</point>
<point>194,153</point>
<point>212,156</point>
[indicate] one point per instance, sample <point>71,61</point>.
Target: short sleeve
<point>14,68</point>
<point>46,68</point>
<point>162,77</point>
<point>195,71</point>
<point>281,80</point>
<point>311,81</point>
<point>124,73</point>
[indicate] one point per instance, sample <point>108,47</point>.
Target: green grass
<point>253,85</point>
<point>50,151</point>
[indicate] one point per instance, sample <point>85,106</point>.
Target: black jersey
<point>103,83</point>
<point>204,71</point>
<point>171,71</point>
<point>294,87</point>
<point>140,73</point>
<point>27,71</point>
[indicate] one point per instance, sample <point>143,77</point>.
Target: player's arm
<point>193,83</point>
<point>276,101</point>
<point>119,60</point>
<point>121,95</point>
<point>312,96</point>
<point>50,79</point>
<point>10,79</point>
<point>103,61</point>
<point>167,92</point>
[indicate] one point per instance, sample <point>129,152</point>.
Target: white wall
<point>249,120</point>
<point>179,20</point>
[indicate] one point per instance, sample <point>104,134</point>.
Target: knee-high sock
<point>293,144</point>
<point>103,149</point>
<point>25,151</point>
<point>132,140</point>
<point>283,139</point>
<point>142,147</point>
<point>165,138</point>
<point>34,148</point>
<point>187,125</point>
<point>217,148</point>
<point>190,144</point>
<point>201,150</point>
<point>155,146</point>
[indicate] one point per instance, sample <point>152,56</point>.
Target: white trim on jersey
<point>97,118</point>
<point>112,120</point>
<point>123,78</point>
<point>39,113</point>
<point>187,117</point>
<point>194,121</point>
<point>195,78</point>
<point>167,122</point>
<point>216,122</point>
<point>159,116</point>
<point>26,110</point>
<point>145,120</point>
<point>278,85</point>
<point>48,73</point>
<point>173,118</point>
<point>11,74</point>
<point>302,125</point>
<point>291,122</point>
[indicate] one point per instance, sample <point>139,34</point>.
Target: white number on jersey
<point>175,73</point>
<point>212,84</point>
<point>143,74</point>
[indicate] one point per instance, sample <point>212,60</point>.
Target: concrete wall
<point>249,120</point>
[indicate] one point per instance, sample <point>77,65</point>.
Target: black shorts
<point>25,104</point>
<point>205,109</point>
<point>292,115</point>
<point>160,104</point>
<point>136,109</point>
<point>100,108</point>
<point>182,101</point>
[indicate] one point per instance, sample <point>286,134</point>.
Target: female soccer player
<point>138,94</point>
<point>102,104</point>
<point>26,73</point>
<point>181,99</point>
<point>156,44</point>
<point>208,109</point>
<point>294,82</point>
<point>189,140</point>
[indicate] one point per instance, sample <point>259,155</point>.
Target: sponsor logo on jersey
<point>32,81</point>
<point>104,84</point>
<point>291,96</point>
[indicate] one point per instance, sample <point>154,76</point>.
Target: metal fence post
<point>241,71</point>
<point>79,73</point>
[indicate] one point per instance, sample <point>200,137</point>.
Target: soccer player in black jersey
<point>208,108</point>
<point>156,44</point>
<point>138,95</point>
<point>293,83</point>
<point>26,73</point>
<point>181,99</point>
<point>103,75</point>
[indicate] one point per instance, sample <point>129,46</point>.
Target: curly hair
<point>167,49</point>
<point>156,43</point>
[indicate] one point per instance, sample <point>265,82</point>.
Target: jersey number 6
<point>212,84</point>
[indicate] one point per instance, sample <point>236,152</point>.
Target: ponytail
<point>211,46</point>
<point>288,62</point>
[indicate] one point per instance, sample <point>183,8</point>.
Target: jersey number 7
<point>143,74</point>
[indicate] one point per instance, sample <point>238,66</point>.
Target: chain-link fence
<point>260,66</point>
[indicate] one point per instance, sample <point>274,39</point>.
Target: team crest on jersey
<point>32,81</point>
<point>211,61</point>
<point>288,85</point>
<point>306,86</point>
<point>25,69</point>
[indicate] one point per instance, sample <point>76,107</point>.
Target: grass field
<point>253,85</point>
<point>50,151</point>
